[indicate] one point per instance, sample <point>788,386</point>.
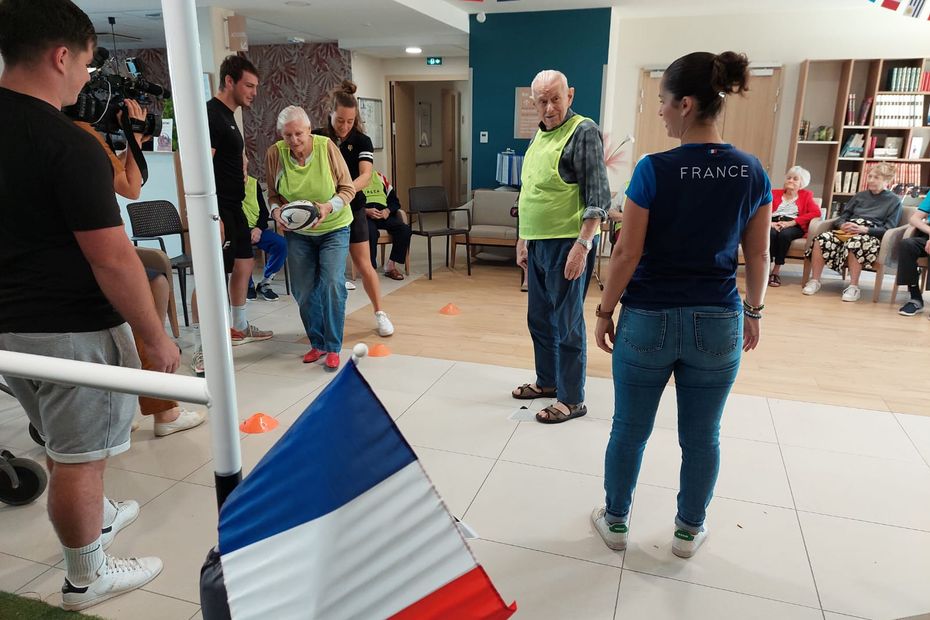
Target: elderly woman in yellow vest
<point>307,167</point>
<point>381,209</point>
<point>563,199</point>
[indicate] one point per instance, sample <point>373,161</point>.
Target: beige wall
<point>368,74</point>
<point>786,38</point>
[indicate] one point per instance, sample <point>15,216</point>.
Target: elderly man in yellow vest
<point>563,199</point>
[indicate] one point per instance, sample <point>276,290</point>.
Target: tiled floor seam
<point>175,598</point>
<point>833,516</point>
<point>423,393</point>
<point>796,513</point>
<point>483,482</point>
<point>911,439</point>
<point>702,585</point>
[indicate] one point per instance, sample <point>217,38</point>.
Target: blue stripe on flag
<point>342,445</point>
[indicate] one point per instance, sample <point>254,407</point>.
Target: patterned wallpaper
<point>290,75</point>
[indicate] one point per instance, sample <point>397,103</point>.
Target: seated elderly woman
<point>793,208</point>
<point>307,167</point>
<point>856,235</point>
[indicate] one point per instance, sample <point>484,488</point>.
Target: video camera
<point>106,92</point>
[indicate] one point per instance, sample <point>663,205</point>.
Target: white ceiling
<point>384,28</point>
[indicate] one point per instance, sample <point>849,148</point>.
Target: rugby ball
<point>300,214</point>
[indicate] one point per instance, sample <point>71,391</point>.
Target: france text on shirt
<point>714,172</point>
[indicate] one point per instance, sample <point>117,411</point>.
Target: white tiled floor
<point>821,512</point>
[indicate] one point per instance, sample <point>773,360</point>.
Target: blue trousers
<point>555,317</point>
<point>318,264</point>
<point>702,347</point>
<point>275,248</point>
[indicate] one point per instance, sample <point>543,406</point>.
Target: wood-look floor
<point>815,349</point>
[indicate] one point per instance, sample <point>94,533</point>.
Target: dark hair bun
<point>731,73</point>
<point>348,86</point>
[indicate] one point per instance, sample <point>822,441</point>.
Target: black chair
<point>432,199</point>
<point>150,221</point>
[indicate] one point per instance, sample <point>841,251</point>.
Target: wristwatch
<point>587,243</point>
<point>603,314</point>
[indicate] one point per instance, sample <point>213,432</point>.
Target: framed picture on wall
<point>424,124</point>
<point>372,115</point>
<point>525,119</point>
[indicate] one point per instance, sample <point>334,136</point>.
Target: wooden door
<point>450,146</point>
<point>749,120</point>
<point>403,139</point>
<point>651,136</point>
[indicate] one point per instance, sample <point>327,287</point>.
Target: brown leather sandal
<point>528,392</point>
<point>394,274</point>
<point>555,415</point>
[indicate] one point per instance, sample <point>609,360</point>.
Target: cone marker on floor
<point>258,423</point>
<point>379,350</point>
<point>450,310</point>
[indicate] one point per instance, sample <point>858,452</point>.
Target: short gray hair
<point>292,113</point>
<point>544,77</point>
<point>801,172</point>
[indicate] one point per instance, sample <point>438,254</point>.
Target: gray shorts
<point>79,424</point>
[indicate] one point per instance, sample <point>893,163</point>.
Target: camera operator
<point>127,178</point>
<point>72,242</point>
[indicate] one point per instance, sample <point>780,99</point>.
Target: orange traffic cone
<point>379,350</point>
<point>450,310</point>
<point>258,423</point>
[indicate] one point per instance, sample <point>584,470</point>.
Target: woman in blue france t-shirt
<point>687,211</point>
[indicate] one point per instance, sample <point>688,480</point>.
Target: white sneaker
<point>615,535</point>
<point>811,287</point>
<point>116,576</point>
<point>350,286</point>
<point>385,327</point>
<point>852,293</point>
<point>685,544</point>
<point>126,513</point>
<point>185,420</point>
<point>197,362</point>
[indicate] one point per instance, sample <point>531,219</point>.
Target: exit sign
<point>434,60</point>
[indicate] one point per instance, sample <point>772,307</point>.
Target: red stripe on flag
<point>470,597</point>
<point>891,4</point>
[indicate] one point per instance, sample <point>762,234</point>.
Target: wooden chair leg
<point>173,315</point>
<point>894,289</point>
<point>382,254</point>
<point>879,276</point>
<point>407,264</point>
<point>468,248</point>
<point>455,246</point>
<point>807,272</point>
<point>429,256</point>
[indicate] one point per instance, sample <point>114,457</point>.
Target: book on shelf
<point>893,146</point>
<point>851,109</point>
<point>854,183</point>
<point>903,79</point>
<point>925,82</point>
<point>898,111</point>
<point>838,183</point>
<point>873,142</point>
<point>864,110</point>
<point>907,174</point>
<point>853,146</point>
<point>847,183</point>
<point>915,147</point>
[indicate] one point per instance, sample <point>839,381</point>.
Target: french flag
<point>340,521</point>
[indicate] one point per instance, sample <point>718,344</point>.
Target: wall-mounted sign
<point>433,60</point>
<point>525,119</point>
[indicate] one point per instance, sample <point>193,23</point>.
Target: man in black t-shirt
<point>238,87</point>
<point>70,280</point>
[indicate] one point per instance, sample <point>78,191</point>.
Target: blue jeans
<point>275,248</point>
<point>702,346</point>
<point>555,317</point>
<point>318,263</point>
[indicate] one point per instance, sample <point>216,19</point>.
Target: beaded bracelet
<point>751,314</point>
<point>752,308</point>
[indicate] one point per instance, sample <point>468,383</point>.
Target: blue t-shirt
<point>925,205</point>
<point>700,198</point>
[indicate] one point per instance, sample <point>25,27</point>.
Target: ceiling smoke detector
<point>296,40</point>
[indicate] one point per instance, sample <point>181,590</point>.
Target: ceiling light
<point>153,15</point>
<point>296,3</point>
<point>414,50</point>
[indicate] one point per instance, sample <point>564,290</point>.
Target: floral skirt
<point>836,251</point>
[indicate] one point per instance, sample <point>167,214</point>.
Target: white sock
<point>239,320</point>
<point>198,343</point>
<point>109,512</point>
<point>266,280</point>
<point>82,564</point>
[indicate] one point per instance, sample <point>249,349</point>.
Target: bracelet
<point>751,314</point>
<point>756,309</point>
<point>603,314</point>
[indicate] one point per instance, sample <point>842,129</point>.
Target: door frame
<point>389,112</point>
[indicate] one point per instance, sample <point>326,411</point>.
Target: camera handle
<point>134,148</point>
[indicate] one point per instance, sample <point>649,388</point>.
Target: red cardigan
<point>807,208</point>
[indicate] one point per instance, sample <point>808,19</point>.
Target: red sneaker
<point>332,360</point>
<point>313,355</point>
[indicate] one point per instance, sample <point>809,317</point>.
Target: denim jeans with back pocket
<point>701,346</point>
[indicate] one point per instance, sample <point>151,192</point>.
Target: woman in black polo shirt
<point>345,129</point>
